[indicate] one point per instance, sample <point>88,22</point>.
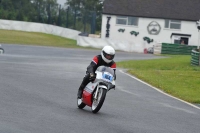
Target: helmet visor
<point>108,56</point>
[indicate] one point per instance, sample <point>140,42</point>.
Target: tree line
<point>82,15</point>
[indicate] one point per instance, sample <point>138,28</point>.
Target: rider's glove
<point>92,77</point>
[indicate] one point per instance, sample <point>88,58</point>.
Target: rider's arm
<point>114,68</point>
<point>93,65</point>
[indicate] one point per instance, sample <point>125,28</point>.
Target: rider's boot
<point>80,91</point>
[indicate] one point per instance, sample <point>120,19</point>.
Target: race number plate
<point>107,76</point>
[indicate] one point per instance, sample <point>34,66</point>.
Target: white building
<point>164,21</point>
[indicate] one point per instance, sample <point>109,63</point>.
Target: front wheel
<point>97,103</point>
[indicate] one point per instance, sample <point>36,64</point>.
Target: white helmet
<point>108,54</point>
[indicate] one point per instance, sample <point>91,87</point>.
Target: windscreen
<point>105,69</point>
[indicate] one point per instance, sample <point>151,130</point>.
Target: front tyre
<point>80,103</point>
<point>97,103</point>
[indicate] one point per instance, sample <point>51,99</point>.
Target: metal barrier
<point>195,58</point>
<point>177,49</point>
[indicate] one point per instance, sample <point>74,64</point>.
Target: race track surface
<point>38,87</point>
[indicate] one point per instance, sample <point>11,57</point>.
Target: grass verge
<point>34,38</point>
<point>173,75</point>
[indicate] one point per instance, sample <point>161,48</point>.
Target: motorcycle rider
<point>105,59</point>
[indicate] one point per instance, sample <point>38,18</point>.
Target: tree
<point>88,11</point>
<point>76,14</point>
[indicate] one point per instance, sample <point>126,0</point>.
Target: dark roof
<point>167,9</point>
<point>178,34</point>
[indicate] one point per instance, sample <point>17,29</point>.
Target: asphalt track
<point>38,87</point>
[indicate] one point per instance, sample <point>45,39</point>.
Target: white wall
<point>68,33</point>
<point>116,44</point>
<point>187,27</point>
<point>38,27</point>
<point>120,41</point>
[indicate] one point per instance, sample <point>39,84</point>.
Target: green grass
<point>173,75</point>
<point>34,38</point>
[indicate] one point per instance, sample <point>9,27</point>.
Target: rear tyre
<point>97,103</point>
<point>80,103</point>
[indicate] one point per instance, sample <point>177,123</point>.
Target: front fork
<point>97,90</point>
<point>96,93</point>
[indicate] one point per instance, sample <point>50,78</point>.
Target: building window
<point>172,24</point>
<point>127,20</point>
<point>178,38</point>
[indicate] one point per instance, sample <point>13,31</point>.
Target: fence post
<point>93,23</point>
<point>67,19</point>
<point>198,27</point>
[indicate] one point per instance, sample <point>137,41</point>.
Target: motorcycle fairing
<point>87,93</point>
<point>90,87</point>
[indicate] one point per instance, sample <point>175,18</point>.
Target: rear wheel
<point>97,103</point>
<point>80,103</point>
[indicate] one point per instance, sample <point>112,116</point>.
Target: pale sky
<point>62,2</point>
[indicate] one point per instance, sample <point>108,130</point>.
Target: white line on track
<point>159,90</point>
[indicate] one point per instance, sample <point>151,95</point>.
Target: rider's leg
<point>82,86</point>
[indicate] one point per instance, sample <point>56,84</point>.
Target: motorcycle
<point>94,93</point>
<point>1,50</point>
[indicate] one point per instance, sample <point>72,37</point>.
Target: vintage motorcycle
<point>1,50</point>
<point>94,93</point>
